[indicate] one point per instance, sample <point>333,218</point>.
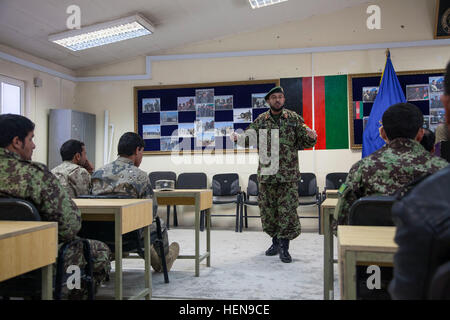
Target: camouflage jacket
<point>291,130</point>
<point>74,178</point>
<point>121,177</point>
<point>384,172</point>
<point>33,182</point>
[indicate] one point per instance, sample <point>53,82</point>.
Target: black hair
<point>402,120</point>
<point>128,143</point>
<point>13,125</point>
<point>70,148</point>
<point>447,80</point>
<point>428,139</point>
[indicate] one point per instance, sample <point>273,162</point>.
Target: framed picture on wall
<point>442,24</point>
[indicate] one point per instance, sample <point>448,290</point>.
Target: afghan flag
<point>330,110</point>
<point>358,110</point>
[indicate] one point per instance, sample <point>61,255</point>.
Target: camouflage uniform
<point>74,178</point>
<point>33,181</point>
<point>122,177</point>
<point>384,172</point>
<point>278,192</point>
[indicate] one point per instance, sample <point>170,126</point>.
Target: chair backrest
<point>307,185</point>
<point>161,175</point>
<point>440,283</point>
<point>225,184</point>
<point>192,180</point>
<point>18,210</point>
<point>252,188</point>
<point>372,211</point>
<point>334,180</point>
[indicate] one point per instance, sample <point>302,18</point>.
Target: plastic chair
<point>440,283</point>
<point>226,190</point>
<point>29,284</point>
<point>165,175</point>
<point>372,211</point>
<point>252,191</point>
<point>193,180</point>
<point>131,242</point>
<point>333,181</point>
<point>308,193</point>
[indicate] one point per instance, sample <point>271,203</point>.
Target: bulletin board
<point>418,87</point>
<point>192,118</point>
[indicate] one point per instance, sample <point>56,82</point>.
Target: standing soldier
<point>74,173</point>
<point>278,181</point>
<point>32,181</point>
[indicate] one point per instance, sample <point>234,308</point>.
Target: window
<point>11,95</point>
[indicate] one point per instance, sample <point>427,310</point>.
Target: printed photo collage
<point>204,129</point>
<point>430,92</point>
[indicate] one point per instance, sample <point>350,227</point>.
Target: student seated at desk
<point>32,181</point>
<point>423,228</point>
<point>400,162</point>
<point>74,173</point>
<point>123,177</point>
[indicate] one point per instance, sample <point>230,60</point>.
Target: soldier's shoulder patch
<point>343,189</point>
<point>39,166</point>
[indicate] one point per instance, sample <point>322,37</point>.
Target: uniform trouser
<point>100,254</point>
<point>278,204</point>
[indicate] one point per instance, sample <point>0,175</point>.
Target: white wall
<point>55,93</point>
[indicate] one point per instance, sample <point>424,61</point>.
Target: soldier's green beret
<point>274,90</point>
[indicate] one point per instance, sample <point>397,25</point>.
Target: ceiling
<point>26,24</point>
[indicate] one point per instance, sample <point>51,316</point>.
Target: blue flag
<point>390,93</point>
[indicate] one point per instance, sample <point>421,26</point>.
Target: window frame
<point>17,83</point>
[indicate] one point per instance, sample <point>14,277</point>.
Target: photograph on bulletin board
<point>196,117</point>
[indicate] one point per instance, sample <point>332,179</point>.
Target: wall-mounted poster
<point>151,131</point>
<point>204,96</point>
<point>169,117</point>
<point>186,130</point>
<point>442,24</point>
<point>435,101</point>
<point>369,94</point>
<point>151,105</point>
<point>169,143</point>
<point>258,100</point>
<point>242,115</point>
<point>186,103</point>
<point>223,102</point>
<point>205,110</point>
<point>223,128</point>
<point>417,92</point>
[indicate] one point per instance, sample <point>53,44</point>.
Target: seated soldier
<point>397,164</point>
<point>32,181</point>
<point>74,173</point>
<point>400,162</point>
<point>423,229</point>
<point>123,177</point>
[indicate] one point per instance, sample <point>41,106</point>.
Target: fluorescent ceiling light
<point>103,33</point>
<point>263,3</point>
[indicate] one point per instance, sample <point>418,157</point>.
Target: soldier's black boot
<point>284,253</point>
<point>274,248</point>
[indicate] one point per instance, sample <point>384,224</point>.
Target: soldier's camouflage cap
<point>274,90</point>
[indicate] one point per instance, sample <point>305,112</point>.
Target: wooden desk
<point>202,200</point>
<point>366,245</point>
<point>128,215</point>
<point>331,193</point>
<point>26,246</point>
<point>327,211</point>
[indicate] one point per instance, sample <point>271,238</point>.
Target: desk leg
<point>328,274</point>
<point>197,237</point>
<point>147,256</point>
<point>349,276</point>
<point>118,257</point>
<point>208,237</point>
<point>47,282</point>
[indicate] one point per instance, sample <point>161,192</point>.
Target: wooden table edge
<point>42,226</point>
